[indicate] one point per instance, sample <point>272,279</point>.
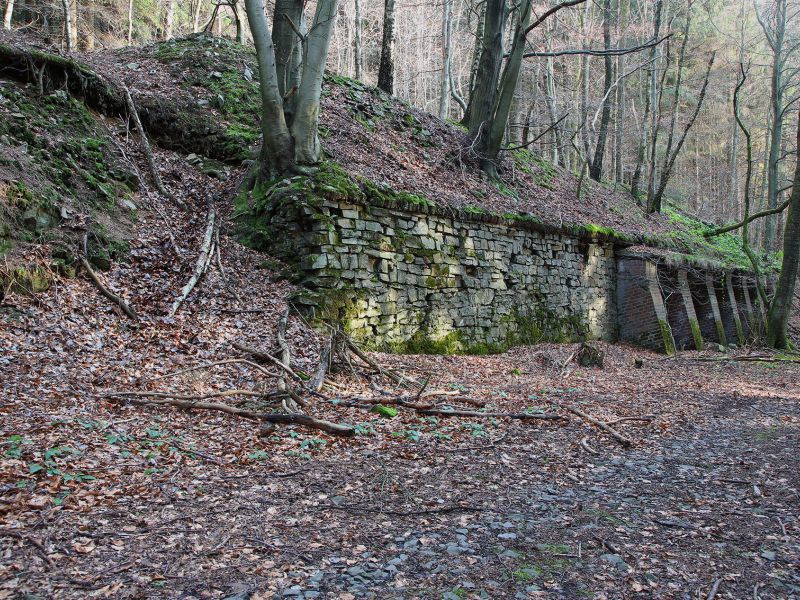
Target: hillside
<point>199,96</point>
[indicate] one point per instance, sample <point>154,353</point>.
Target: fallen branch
<point>34,542</point>
<point>604,426</point>
<point>227,361</point>
<point>203,260</point>
<point>644,419</point>
<point>714,589</point>
<point>585,445</point>
<point>404,513</point>
<point>281,418</point>
<point>148,152</point>
<point>107,292</point>
<point>398,379</point>
<point>322,367</point>
<point>474,413</point>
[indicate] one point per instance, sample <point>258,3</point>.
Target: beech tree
<point>779,310</point>
<point>290,115</point>
<point>386,71</point>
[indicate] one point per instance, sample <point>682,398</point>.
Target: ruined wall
<point>421,278</point>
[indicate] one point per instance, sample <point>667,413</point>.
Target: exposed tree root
<point>398,379</point>
<point>148,152</point>
<point>203,260</point>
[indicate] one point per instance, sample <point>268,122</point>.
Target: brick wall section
<point>638,321</point>
<point>436,275</point>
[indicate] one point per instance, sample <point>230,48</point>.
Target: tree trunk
<point>304,127</point>
<point>289,15</point>
<point>130,21</point>
<point>386,69</point>
<point>8,14</point>
<point>651,82</point>
<point>778,317</point>
<point>775,39</point>
<point>68,24</point>
<point>476,57</point>
<point>357,50</point>
<point>277,152</point>
<point>447,51</point>
<point>596,170</point>
<point>196,16</point>
<point>169,20</point>
<point>483,94</point>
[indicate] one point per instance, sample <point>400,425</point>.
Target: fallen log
<point>281,418</point>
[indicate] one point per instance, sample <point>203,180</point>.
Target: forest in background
<point>620,113</point>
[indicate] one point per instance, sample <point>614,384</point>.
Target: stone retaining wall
<point>437,281</point>
<point>419,278</point>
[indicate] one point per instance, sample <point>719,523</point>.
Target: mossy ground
<point>57,163</point>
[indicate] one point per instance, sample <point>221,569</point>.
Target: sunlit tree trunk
<point>169,20</point>
<point>8,14</point>
<point>447,52</point>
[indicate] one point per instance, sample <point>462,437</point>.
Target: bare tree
<point>596,169</point>
<point>9,12</point>
<point>778,317</point>
<point>169,20</point>
<point>447,52</point>
<point>357,50</point>
<point>386,70</point>
<point>291,141</point>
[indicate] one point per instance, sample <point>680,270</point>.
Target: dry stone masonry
<point>416,277</point>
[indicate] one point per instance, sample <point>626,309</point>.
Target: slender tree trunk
<point>645,132</point>
<point>619,119</point>
<point>775,38</point>
<point>678,78</point>
<point>447,51</point>
<point>482,96</point>
<point>288,16</point>
<point>386,69</point>
<point>778,317</point>
<point>477,51</point>
<point>8,14</point>
<point>304,126</point>
<point>596,169</point>
<point>73,16</point>
<point>68,24</point>
<point>195,16</point>
<point>357,51</point>
<point>277,151</point>
<point>169,20</point>
<point>655,205</point>
<point>130,21</point>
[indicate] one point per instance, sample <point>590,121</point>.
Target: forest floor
<point>107,499</point>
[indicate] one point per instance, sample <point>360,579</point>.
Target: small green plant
<point>412,435</point>
<point>364,429</point>
<point>258,455</point>
<point>387,412</point>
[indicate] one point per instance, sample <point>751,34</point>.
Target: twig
<point>404,513</point>
<point>126,308</point>
<point>217,363</point>
<point>203,260</point>
<point>604,426</point>
<point>714,588</point>
<point>322,366</point>
<point>473,413</point>
<point>398,379</point>
<point>298,419</point>
<point>608,545</point>
<point>34,542</point>
<point>645,419</point>
<point>585,445</point>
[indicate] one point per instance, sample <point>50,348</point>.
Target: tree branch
<point>600,51</point>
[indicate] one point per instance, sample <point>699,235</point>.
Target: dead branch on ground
<point>203,260</point>
<point>626,442</point>
<point>280,418</point>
